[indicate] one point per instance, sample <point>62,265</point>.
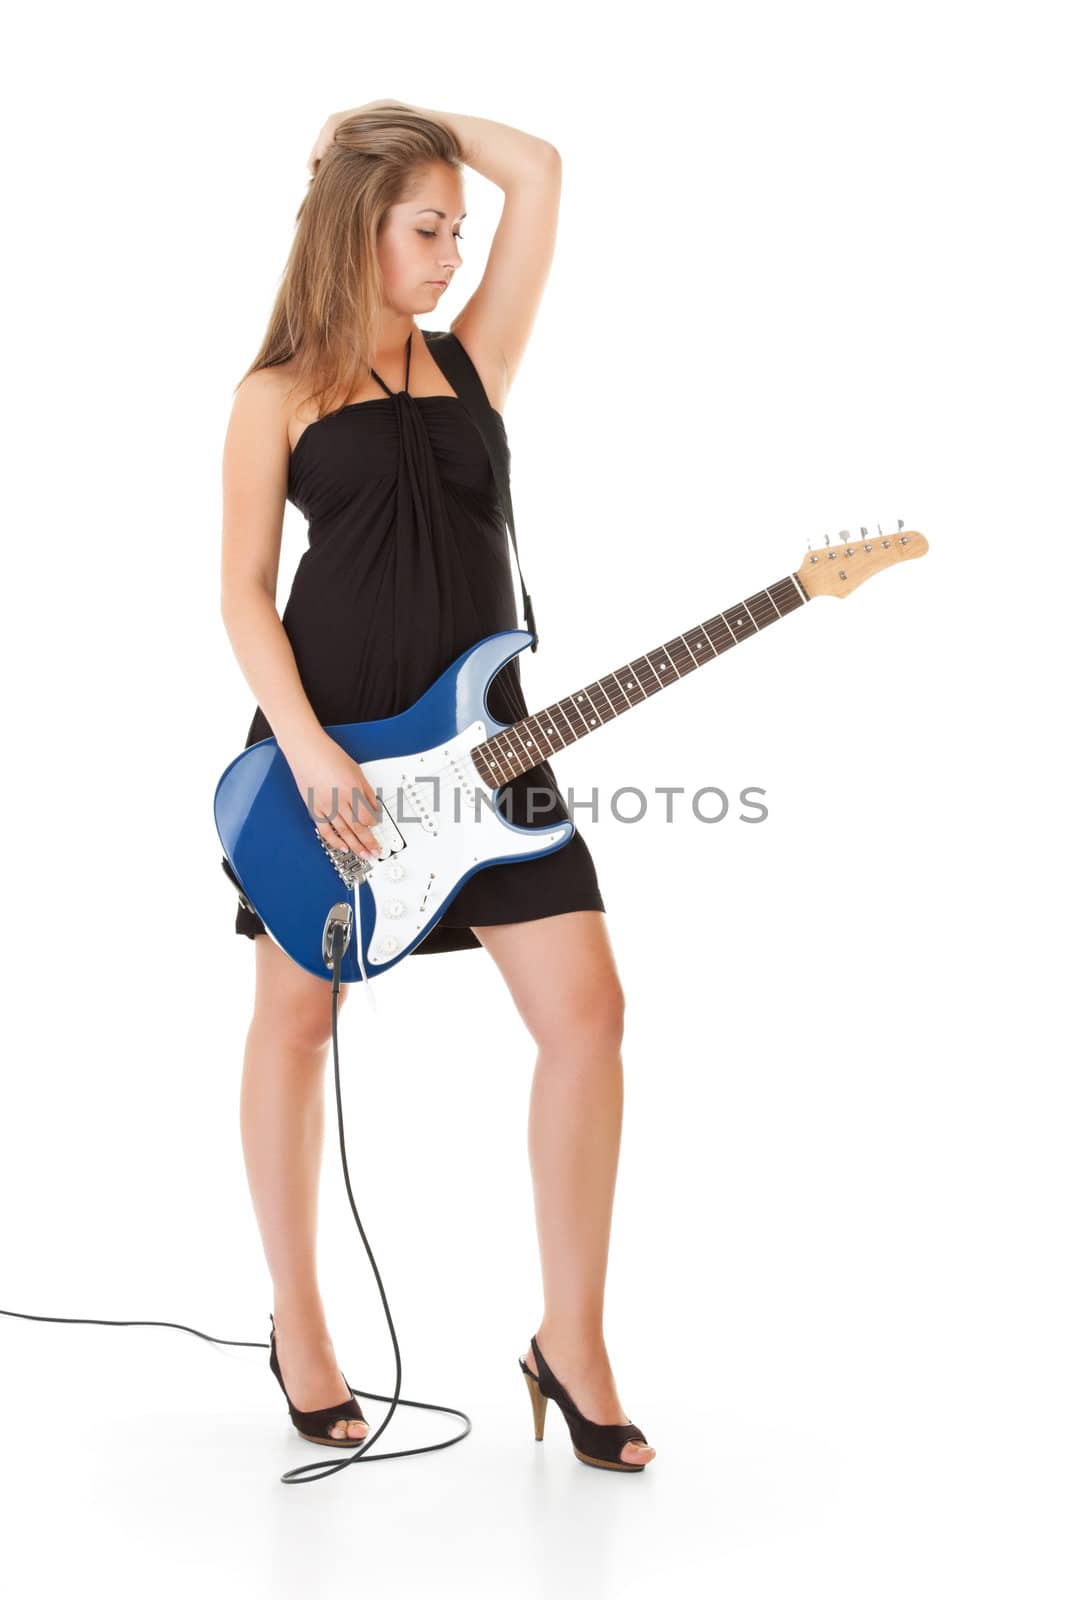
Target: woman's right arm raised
<point>255,470</point>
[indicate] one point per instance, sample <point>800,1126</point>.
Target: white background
<point>808,276</point>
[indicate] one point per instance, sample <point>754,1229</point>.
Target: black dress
<point>407,566</point>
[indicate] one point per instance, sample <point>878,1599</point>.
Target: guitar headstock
<point>843,566</point>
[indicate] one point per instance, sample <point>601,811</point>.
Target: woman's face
<point>417,248</point>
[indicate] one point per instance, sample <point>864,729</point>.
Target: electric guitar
<point>436,770</point>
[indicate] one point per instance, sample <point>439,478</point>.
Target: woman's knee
<point>590,1016</point>
<point>300,1024</point>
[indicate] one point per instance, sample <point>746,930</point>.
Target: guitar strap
<point>462,374</point>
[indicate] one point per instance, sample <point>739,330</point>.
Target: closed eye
<point>427,234</point>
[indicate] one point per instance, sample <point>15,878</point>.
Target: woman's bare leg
<point>562,976</point>
<point>282,1121</point>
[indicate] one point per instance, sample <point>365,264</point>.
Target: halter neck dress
<point>407,566</point>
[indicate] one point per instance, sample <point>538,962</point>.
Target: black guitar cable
<point>338,933</point>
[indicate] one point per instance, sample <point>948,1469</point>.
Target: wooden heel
<point>537,1400</point>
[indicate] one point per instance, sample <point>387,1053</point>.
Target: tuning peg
<point>828,538</point>
<point>881,535</point>
<point>899,524</point>
<point>864,532</point>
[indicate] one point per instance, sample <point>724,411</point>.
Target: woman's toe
<point>633,1450</point>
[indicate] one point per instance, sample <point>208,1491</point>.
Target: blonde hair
<point>327,309</point>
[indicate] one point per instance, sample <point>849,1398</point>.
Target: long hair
<point>326,313</point>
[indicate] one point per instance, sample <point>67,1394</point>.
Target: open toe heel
<point>314,1426</point>
<point>598,1444</point>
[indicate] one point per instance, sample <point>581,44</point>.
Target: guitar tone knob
<point>394,908</point>
<point>388,944</point>
<point>394,871</point>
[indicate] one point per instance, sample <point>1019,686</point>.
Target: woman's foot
<point>310,1371</point>
<point>587,1377</point>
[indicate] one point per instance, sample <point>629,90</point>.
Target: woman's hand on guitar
<point>338,795</point>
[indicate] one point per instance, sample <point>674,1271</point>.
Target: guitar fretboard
<point>545,732</point>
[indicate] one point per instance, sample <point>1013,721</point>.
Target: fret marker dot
<point>629,685</point>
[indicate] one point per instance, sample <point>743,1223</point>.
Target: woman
<point>346,413</point>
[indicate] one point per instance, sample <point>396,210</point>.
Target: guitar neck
<point>544,733</point>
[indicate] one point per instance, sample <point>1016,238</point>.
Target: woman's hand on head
<point>329,128</point>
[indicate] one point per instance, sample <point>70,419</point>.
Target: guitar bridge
<point>350,866</point>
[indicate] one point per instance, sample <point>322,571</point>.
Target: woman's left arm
<point>495,324</point>
<point>499,153</point>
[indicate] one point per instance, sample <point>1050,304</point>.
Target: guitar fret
<point>496,766</point>
<point>575,720</point>
<point>507,759</point>
<point>788,595</point>
<point>536,739</point>
<point>626,688</point>
<point>646,676</point>
<point>739,622</point>
<point>761,609</point>
<point>696,642</point>
<point>564,726</point>
<point>664,665</point>
<point>545,744</point>
<point>601,704</point>
<point>555,732</point>
<point>525,738</point>
<point>513,749</point>
<point>699,642</point>
<point>681,657</point>
<point>719,634</point>
<point>543,738</point>
<point>640,672</point>
<point>586,708</point>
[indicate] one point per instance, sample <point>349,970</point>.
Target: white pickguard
<point>445,823</point>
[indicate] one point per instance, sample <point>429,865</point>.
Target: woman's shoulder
<point>268,388</point>
<point>273,392</point>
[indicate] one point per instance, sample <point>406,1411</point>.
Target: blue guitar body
<point>440,825</point>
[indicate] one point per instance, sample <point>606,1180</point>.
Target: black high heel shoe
<point>309,1423</point>
<point>595,1443</point>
